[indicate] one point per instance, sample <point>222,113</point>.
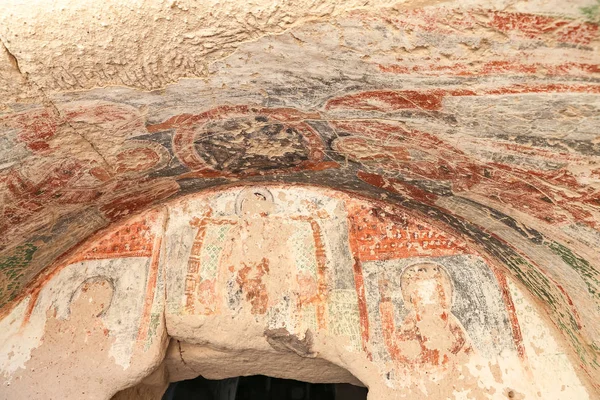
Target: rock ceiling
<point>481,117</point>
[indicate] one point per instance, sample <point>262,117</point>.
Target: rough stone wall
<point>479,117</point>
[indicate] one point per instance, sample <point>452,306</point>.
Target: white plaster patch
<point>553,372</point>
<point>15,348</point>
<point>502,374</point>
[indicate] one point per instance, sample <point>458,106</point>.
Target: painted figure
<point>251,257</point>
<point>49,180</point>
<point>430,335</point>
<point>245,140</point>
<point>418,155</point>
<point>253,250</point>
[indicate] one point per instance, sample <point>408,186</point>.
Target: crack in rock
<point>13,60</point>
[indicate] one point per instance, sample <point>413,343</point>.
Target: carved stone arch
<point>310,290</point>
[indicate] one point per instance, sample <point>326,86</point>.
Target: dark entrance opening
<point>260,387</point>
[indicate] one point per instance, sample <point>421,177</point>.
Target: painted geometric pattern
<point>344,305</point>
<point>211,251</point>
<point>303,245</point>
<point>375,237</point>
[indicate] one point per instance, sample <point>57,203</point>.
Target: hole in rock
<point>260,387</point>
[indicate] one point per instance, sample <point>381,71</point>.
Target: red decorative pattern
<point>375,235</point>
<point>134,239</point>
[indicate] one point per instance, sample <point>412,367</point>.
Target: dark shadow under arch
<point>261,387</point>
<point>192,371</point>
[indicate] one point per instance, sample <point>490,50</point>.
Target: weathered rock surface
<point>124,128</point>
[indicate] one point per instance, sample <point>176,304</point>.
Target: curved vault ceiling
<point>480,116</point>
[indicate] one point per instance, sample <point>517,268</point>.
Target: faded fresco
<point>413,300</point>
<point>300,266</point>
<point>152,160</point>
<point>104,298</point>
<point>261,251</point>
<point>431,305</point>
<point>478,118</point>
<point>407,190</point>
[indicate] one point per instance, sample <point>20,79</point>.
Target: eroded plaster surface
<point>478,118</point>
